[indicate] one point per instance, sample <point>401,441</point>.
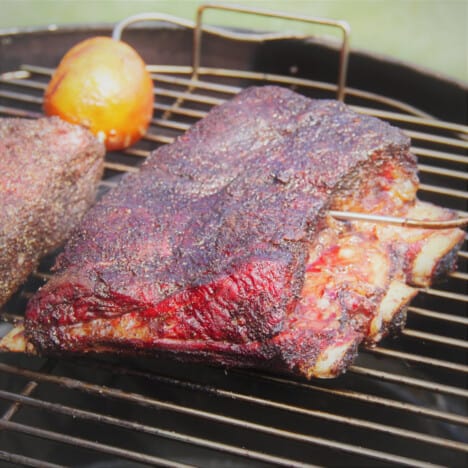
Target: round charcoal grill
<point>401,403</point>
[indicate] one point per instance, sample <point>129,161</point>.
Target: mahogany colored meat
<point>203,253</point>
<point>49,171</point>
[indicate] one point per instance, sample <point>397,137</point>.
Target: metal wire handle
<point>342,25</point>
<point>198,28</point>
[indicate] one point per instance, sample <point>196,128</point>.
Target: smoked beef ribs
<point>221,250</point>
<point>49,171</point>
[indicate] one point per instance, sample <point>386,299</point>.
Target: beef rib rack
<point>221,250</point>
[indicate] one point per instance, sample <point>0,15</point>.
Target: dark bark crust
<point>206,246</point>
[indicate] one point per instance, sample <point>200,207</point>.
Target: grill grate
<point>402,403</point>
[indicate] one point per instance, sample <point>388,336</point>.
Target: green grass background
<point>430,33</point>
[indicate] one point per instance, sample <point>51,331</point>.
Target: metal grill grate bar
<point>186,112</point>
<point>171,124</point>
<point>190,82</point>
<point>31,84</point>
<point>411,381</point>
<point>435,338</point>
<point>119,167</point>
<point>419,359</point>
<point>459,275</point>
<point>187,96</point>
<point>444,191</point>
<point>26,461</point>
<point>430,122</point>
<point>443,156</point>
<point>157,139</point>
<point>137,152</point>
<point>15,112</point>
<point>438,315</point>
<point>444,172</point>
<point>21,97</point>
<point>445,294</point>
<point>431,138</point>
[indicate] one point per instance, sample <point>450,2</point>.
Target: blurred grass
<point>430,33</point>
